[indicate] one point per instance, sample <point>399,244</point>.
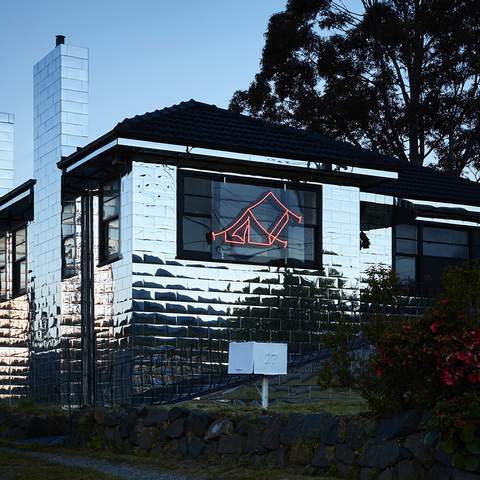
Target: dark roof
<point>197,124</point>
<point>424,183</point>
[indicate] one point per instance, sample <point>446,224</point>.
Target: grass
<point>14,466</point>
<point>335,402</point>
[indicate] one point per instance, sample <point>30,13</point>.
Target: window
<point>423,252</point>
<point>110,221</point>
<point>3,267</point>
<point>19,267</point>
<point>232,220</point>
<point>68,240</point>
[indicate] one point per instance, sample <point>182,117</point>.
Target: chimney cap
<point>59,40</point>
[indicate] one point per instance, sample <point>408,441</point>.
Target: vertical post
<point>264,392</point>
<point>87,303</point>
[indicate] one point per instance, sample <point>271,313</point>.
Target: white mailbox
<point>259,358</point>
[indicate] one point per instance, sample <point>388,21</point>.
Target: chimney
<point>6,152</point>
<point>60,124</point>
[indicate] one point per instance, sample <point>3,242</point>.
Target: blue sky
<point>144,54</point>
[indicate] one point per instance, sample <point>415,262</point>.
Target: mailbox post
<point>258,358</point>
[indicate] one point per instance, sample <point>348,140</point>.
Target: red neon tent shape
<point>240,231</point>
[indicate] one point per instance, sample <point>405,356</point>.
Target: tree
<point>400,77</point>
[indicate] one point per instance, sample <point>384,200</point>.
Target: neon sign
<point>240,231</point>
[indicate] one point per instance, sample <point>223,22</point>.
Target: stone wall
<point>314,443</point>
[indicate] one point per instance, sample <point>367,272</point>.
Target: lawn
<point>15,466</point>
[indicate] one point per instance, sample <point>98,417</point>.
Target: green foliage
<point>396,76</point>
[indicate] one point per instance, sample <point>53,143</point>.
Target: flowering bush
<point>433,363</point>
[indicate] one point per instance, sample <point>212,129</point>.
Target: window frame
<point>103,257</point>
<point>16,262</point>
<point>183,254</point>
<point>419,256</point>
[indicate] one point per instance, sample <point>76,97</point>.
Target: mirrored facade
<point>130,264</point>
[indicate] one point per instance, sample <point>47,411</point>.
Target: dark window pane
<point>111,189</point>
<point>476,245</point>
<point>406,231</point>
<point>20,244</point>
<point>445,235</point>
<point>445,250</point>
<point>405,269</point>
<point>406,246</point>
<point>196,204</point>
<point>19,276</point>
<point>198,186</point>
<point>111,208</point>
<point>432,271</point>
<point>196,234</point>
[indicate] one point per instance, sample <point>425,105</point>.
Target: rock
<point>439,472</point>
<point>45,425</point>
<point>300,453</point>
<point>230,444</point>
<point>415,444</point>
<point>408,470</point>
<point>271,434</point>
<point>386,474</point>
<point>292,429</point>
<point>345,454</point>
<point>398,426</point>
<point>175,413</point>
<point>280,458</point>
<point>367,473</point>
<point>242,426</point>
<point>320,426</point>
<point>155,416</point>
<point>380,455</point>
<point>197,423</point>
<point>346,471</point>
<point>182,446</point>
<point>222,426</point>
<point>176,428</point>
<point>142,436</point>
<point>355,434</point>
<point>254,439</point>
<point>323,457</point>
<point>462,475</point>
<point>443,457</point>
<point>195,447</point>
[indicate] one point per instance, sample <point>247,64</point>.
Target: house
<point>154,245</point>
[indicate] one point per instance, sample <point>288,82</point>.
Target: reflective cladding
<point>197,307</point>
<point>14,330</point>
<point>376,219</point>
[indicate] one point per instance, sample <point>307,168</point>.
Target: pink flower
<point>434,327</point>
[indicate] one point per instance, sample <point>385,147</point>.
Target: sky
<point>144,55</point>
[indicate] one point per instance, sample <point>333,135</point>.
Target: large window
<point>3,267</point>
<point>226,219</point>
<point>19,265</point>
<point>110,221</point>
<point>424,251</point>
